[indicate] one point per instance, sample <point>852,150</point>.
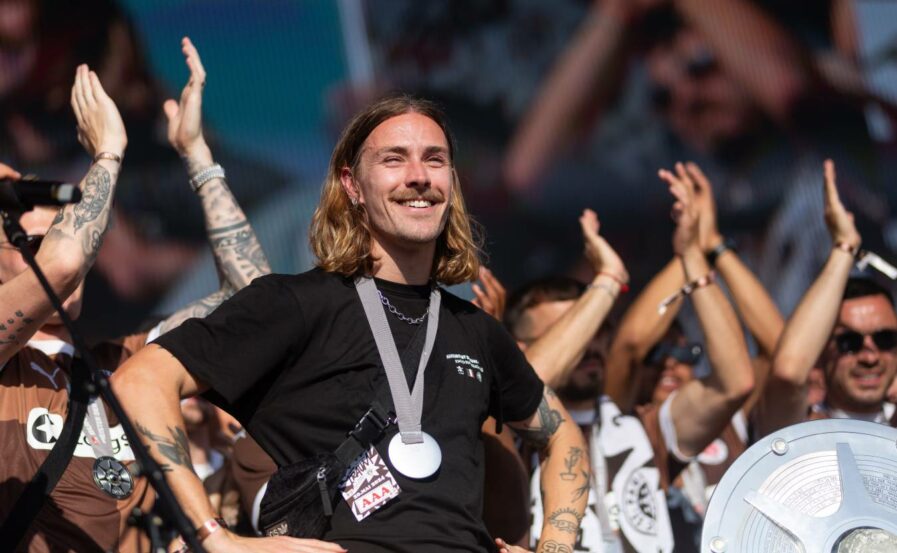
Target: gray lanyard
<point>409,405</point>
<point>96,428</point>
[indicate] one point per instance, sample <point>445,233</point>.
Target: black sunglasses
<point>689,354</point>
<point>851,341</point>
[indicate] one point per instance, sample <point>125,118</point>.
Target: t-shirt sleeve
<point>667,462</point>
<point>245,339</point>
<point>519,387</point>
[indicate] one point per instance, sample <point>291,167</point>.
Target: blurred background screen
<point>557,106</point>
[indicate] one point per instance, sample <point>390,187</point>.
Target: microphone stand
<point>99,383</point>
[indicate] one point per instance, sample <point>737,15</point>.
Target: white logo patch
<point>43,429</point>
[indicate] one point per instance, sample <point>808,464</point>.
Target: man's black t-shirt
<point>293,358</point>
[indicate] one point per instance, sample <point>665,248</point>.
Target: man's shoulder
<point>464,309</point>
<point>309,281</point>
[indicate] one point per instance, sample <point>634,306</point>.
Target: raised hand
<point>185,117</point>
<point>599,253</point>
<point>839,221</point>
<point>685,210</point>
<point>100,128</point>
<point>709,236</point>
<point>491,296</point>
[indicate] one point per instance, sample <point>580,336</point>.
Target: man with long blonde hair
<point>300,359</point>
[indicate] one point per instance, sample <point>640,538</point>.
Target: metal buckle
<point>375,418</point>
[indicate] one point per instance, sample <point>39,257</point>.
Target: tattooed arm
<point>73,239</point>
<point>238,255</point>
<point>565,469</point>
<point>149,385</point>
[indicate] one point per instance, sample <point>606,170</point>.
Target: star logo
<point>43,428</point>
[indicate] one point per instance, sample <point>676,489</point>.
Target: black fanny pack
<point>299,499</point>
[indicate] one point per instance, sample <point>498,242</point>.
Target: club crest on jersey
<point>43,428</point>
<point>466,365</point>
<point>639,506</point>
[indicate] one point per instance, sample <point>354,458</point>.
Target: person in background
<point>84,512</point>
<point>651,357</point>
<point>846,326</point>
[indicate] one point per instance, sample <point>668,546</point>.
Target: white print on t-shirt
<point>466,365</point>
<point>43,429</point>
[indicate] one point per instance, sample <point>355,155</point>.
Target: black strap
<point>35,493</point>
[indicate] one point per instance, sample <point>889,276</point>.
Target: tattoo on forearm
<point>12,327</point>
<point>566,520</point>
<point>198,309</point>
<point>552,546</point>
<point>549,422</point>
<point>570,462</point>
<point>86,221</point>
<point>238,255</point>
<point>94,196</point>
<point>176,448</point>
<point>584,488</point>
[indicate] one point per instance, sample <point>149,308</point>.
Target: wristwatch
<point>726,244</point>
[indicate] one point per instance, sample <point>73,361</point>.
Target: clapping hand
<point>491,296</point>
<point>597,250</point>
<point>185,116</point>
<point>709,236</point>
<point>100,128</point>
<point>839,221</point>
<point>685,210</point>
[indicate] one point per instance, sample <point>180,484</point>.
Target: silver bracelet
<point>204,176</point>
<point>607,289</point>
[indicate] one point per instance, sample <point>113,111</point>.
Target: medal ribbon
<point>409,405</point>
<point>96,428</point>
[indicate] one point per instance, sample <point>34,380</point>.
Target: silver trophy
<point>827,486</point>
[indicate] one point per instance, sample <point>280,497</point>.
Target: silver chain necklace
<point>402,317</point>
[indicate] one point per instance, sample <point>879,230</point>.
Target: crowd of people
<point>537,420</point>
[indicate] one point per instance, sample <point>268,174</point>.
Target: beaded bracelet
<point>624,286</point>
<point>844,246</point>
<point>687,290</point>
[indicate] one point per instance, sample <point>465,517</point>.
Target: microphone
<point>24,195</point>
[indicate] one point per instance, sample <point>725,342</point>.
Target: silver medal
<point>113,477</point>
<point>412,452</point>
<point>418,461</point>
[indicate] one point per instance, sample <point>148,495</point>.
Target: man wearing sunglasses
<point>848,326</point>
<point>652,361</point>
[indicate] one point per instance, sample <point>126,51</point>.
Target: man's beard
<point>573,391</point>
